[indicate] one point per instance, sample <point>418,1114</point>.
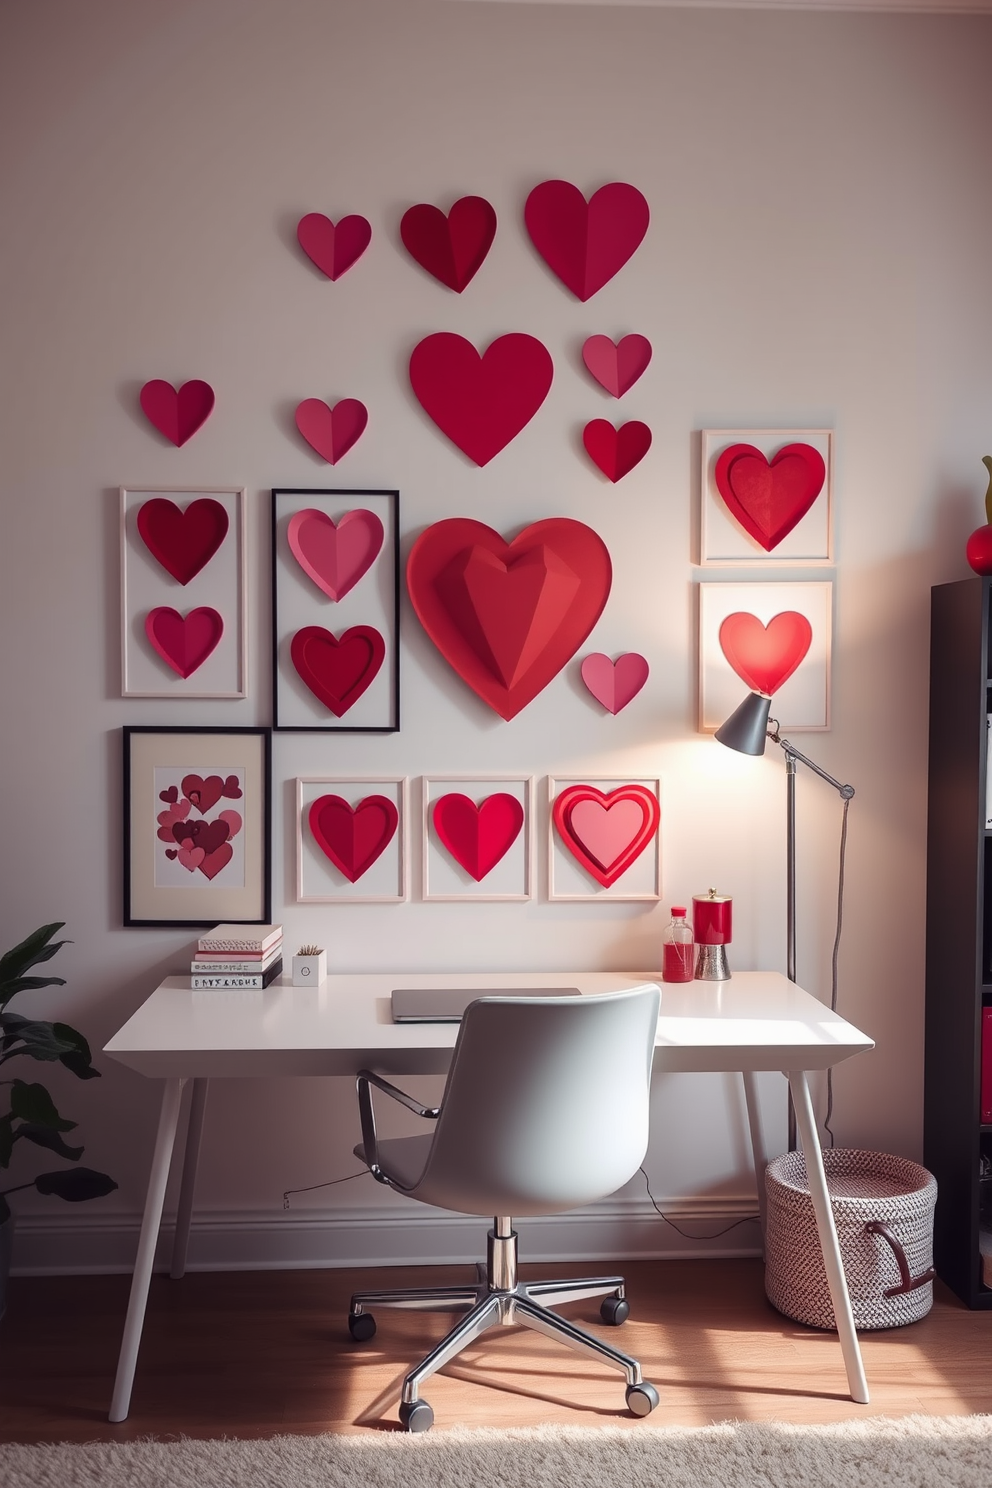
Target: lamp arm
<point>846,791</point>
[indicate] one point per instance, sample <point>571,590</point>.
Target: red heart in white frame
<point>765,656</point>
<point>606,831</point>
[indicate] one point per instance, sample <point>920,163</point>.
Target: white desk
<point>756,1021</point>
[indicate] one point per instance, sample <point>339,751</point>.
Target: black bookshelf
<point>959,930</point>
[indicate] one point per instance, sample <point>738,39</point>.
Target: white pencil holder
<point>309,971</point>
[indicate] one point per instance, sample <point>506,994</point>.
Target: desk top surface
<point>756,1020</point>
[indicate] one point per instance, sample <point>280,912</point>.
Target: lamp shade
<point>747,727</point>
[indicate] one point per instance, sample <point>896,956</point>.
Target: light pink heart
<point>331,431</point>
<point>614,683</point>
<point>191,857</point>
<point>335,555</point>
<point>617,365</point>
<point>606,831</point>
<point>234,822</point>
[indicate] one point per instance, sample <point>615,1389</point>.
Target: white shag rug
<point>914,1452</point>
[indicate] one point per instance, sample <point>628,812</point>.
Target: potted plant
<point>31,1114</point>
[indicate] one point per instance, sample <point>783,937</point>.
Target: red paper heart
<point>182,541</point>
<point>333,249</point>
<point>614,683</point>
<point>332,431</point>
<point>203,793</point>
<point>769,497</point>
<point>481,403</point>
<point>606,831</point>
<point>452,248</point>
<point>177,415</point>
<point>335,555</point>
<point>585,245</point>
<point>508,616</point>
<point>616,451</point>
<point>353,838</point>
<point>616,365</point>
<point>477,837</point>
<point>184,642</point>
<point>171,796</point>
<point>765,656</point>
<point>215,861</point>
<point>337,670</point>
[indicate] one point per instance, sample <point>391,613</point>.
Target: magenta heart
<point>204,793</point>
<point>616,451</point>
<point>332,431</point>
<point>586,244</point>
<point>451,248</point>
<point>335,554</point>
<point>481,402</point>
<point>616,366</point>
<point>177,415</point>
<point>333,249</point>
<point>614,683</point>
<point>184,642</point>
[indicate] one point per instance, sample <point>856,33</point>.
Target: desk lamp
<point>748,730</point>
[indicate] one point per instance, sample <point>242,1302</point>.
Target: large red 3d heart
<point>481,403</point>
<point>184,642</point>
<point>338,670</point>
<point>335,555</point>
<point>616,365</point>
<point>477,837</point>
<point>353,837</point>
<point>452,248</point>
<point>508,616</point>
<point>769,497</point>
<point>765,656</point>
<point>616,451</point>
<point>331,431</point>
<point>182,541</point>
<point>606,831</point>
<point>177,415</point>
<point>614,683</point>
<point>333,249</point>
<point>586,244</point>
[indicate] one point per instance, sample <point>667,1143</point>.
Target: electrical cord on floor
<point>833,964</point>
<point>329,1184</point>
<point>747,1218</point>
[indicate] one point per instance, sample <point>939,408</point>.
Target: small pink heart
<point>333,249</point>
<point>177,415</point>
<point>616,366</point>
<point>191,857</point>
<point>332,431</point>
<point>233,821</point>
<point>335,555</point>
<point>614,683</point>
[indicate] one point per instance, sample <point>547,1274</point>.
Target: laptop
<point>447,1004</point>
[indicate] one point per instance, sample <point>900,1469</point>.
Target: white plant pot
<point>309,971</point>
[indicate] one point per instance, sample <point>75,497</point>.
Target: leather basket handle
<point>907,1283</point>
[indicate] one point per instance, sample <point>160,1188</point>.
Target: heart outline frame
<point>314,884</point>
<point>647,862</point>
<point>475,786</point>
<point>723,543</point>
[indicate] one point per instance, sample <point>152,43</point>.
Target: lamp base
<point>711,964</point>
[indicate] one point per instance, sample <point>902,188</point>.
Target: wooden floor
<point>250,1354</point>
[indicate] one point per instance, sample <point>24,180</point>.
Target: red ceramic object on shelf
<point>978,550</point>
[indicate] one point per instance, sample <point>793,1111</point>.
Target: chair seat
<point>403,1159</point>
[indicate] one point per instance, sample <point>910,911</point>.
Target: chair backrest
<point>546,1103</point>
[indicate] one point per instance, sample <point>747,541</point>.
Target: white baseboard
<point>408,1235</point>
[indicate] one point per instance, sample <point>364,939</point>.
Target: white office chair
<point>545,1109</point>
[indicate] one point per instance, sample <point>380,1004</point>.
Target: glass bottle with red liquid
<point>677,949</point>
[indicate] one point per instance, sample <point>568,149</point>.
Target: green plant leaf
<point>30,952</point>
<point>33,1103</point>
<point>34,1038</point>
<point>75,1184</point>
<point>78,1060</point>
<point>43,1136</point>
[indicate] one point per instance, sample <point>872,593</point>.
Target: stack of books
<point>237,956</point>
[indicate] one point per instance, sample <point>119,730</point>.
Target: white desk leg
<point>836,1280</point>
<point>155,1198</point>
<point>758,1154</point>
<point>191,1158</point>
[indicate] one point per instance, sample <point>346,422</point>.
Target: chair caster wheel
<point>417,1416</point>
<point>641,1399</point>
<point>361,1326</point>
<point>614,1310</point>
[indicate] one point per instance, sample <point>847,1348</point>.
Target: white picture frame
<point>570,882</point>
<point>318,879</point>
<point>802,703</point>
<point>511,879</point>
<point>724,543</point>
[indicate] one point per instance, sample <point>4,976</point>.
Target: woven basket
<point>883,1210</point>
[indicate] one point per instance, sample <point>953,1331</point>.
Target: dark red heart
<point>338,670</point>
<point>616,451</point>
<point>171,795</point>
<point>232,789</point>
<point>586,244</point>
<point>183,541</point>
<point>452,248</point>
<point>481,403</point>
<point>215,861</point>
<point>769,497</point>
<point>208,835</point>
<point>172,852</point>
<point>477,837</point>
<point>333,249</point>
<point>353,837</point>
<point>177,415</point>
<point>202,793</point>
<point>184,641</point>
<point>508,616</point>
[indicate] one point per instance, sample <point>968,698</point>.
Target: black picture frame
<point>224,760</point>
<point>298,601</point>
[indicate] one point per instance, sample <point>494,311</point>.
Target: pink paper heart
<point>177,414</point>
<point>233,821</point>
<point>333,249</point>
<point>191,857</point>
<point>614,683</point>
<point>616,366</point>
<point>332,431</point>
<point>335,555</point>
<point>606,832</point>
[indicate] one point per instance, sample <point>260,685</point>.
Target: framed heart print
<point>197,813</point>
<point>768,638</point>
<point>351,839</point>
<point>335,611</point>
<point>604,838</point>
<point>477,837</point>
<point>766,497</point>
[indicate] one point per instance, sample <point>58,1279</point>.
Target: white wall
<point>818,256</point>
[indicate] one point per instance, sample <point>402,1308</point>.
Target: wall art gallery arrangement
<point>506,612</point>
